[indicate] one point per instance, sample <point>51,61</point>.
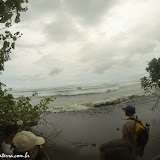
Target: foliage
<point>15,110</point>
<point>153,81</point>
<point>9,10</point>
<point>20,111</point>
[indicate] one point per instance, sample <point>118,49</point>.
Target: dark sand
<point>84,131</point>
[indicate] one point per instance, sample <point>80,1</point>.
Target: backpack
<point>141,134</point>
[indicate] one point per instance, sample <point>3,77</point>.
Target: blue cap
<point>129,108</point>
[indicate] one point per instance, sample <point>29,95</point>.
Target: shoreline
<point>84,131</point>
<point>104,103</point>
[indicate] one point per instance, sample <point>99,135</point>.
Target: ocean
<point>76,98</point>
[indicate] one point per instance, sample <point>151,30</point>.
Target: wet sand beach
<point>82,132</point>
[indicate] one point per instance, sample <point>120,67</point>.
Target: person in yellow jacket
<point>129,129</point>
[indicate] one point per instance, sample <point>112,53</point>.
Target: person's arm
<point>125,131</point>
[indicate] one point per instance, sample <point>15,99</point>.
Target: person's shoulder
<point>6,148</point>
<point>139,118</point>
<point>130,121</point>
<point>134,117</point>
<point>5,144</point>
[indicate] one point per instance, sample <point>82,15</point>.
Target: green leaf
<point>17,19</point>
<point>6,18</point>
<point>5,44</point>
<point>8,44</point>
<point>7,24</point>
<point>7,32</point>
<point>1,7</point>
<point>14,38</point>
<point>7,9</point>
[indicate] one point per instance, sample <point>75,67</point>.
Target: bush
<point>20,111</point>
<point>153,81</point>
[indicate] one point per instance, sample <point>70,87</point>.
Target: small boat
<point>34,93</point>
<point>79,88</point>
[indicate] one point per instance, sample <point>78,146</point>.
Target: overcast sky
<point>73,42</point>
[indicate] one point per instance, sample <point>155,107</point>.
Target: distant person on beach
<point>10,132</point>
<point>118,149</point>
<point>26,145</point>
<point>129,127</point>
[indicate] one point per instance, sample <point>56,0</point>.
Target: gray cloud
<point>125,52</point>
<point>48,61</point>
<point>31,77</point>
<point>88,11</point>
<point>44,6</point>
<point>39,9</point>
<point>49,65</point>
<point>85,39</point>
<point>65,15</point>
<point>55,71</point>
<point>102,67</point>
<point>62,29</point>
<point>42,75</point>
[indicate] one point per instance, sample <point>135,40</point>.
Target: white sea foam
<point>82,97</point>
<point>74,107</point>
